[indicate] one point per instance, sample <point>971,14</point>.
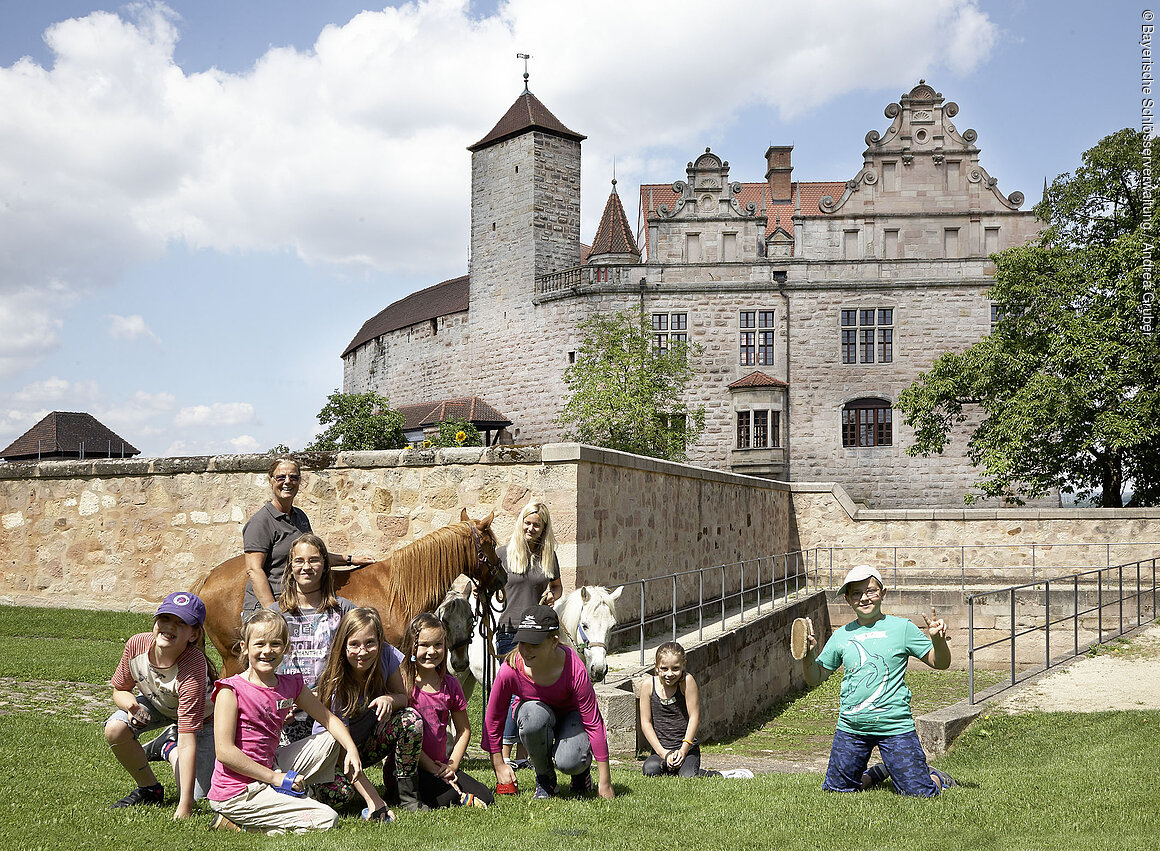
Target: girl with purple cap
<point>163,677</point>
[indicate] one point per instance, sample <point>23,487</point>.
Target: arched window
<point>867,422</point>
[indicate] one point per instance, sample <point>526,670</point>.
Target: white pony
<point>587,616</point>
<point>459,622</point>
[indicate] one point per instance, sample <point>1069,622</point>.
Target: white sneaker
<point>737,774</point>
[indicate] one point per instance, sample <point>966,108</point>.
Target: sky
<point>201,201</point>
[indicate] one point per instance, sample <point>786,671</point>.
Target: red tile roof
<point>527,113</point>
<point>613,234</point>
<point>756,379</point>
<point>442,299</point>
<point>61,435</point>
<point>473,409</point>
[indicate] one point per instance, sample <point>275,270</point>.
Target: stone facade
<point>842,290</point>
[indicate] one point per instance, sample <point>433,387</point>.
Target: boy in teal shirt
<point>874,707</point>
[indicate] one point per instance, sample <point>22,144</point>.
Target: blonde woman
<point>529,557</point>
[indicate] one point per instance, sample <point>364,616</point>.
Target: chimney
<point>778,171</point>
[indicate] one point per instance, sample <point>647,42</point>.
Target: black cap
<point>538,623</point>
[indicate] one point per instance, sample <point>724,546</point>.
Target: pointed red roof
<point>613,234</point>
<point>68,434</point>
<point>527,113</point>
<point>756,379</point>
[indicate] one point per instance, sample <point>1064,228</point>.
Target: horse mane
<point>424,569</point>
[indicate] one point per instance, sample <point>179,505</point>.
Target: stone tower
<point>525,223</point>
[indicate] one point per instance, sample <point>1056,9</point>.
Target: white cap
<point>857,573</point>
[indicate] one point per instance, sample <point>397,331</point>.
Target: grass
<point>1035,781</point>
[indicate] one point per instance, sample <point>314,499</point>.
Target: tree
<point>624,390</point>
<point>358,421</point>
<point>1068,382</point>
<point>457,433</point>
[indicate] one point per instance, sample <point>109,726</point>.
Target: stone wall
<point>119,535</point>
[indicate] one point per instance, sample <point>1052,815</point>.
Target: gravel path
<point>1124,675</point>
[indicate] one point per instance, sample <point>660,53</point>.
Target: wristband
<point>687,742</point>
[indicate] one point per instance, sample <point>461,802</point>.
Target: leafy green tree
<point>624,392</point>
<point>358,421</point>
<point>1068,382</point>
<point>450,432</point>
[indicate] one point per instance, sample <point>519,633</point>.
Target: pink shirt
<point>436,707</point>
<point>261,713</point>
<point>572,691</point>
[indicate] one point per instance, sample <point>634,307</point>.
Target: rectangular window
<point>951,243</point>
<point>953,175</point>
<point>757,346</point>
<point>693,247</point>
<point>868,335</point>
<point>748,349</point>
<point>677,323</point>
<point>729,247</point>
<point>760,429</point>
<point>849,336</point>
<point>743,429</point>
<point>850,245</point>
<point>890,245</point>
<point>765,348</point>
<point>775,428</point>
<point>889,177</point>
<point>990,241</point>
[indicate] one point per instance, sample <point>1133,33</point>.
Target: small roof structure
<point>614,235</point>
<point>442,299</point>
<point>68,434</point>
<point>756,379</point>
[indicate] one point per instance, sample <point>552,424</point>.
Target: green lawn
<point>1037,781</point>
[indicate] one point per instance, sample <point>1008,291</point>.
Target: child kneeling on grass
<point>169,669</point>
<point>874,707</point>
<point>670,715</point>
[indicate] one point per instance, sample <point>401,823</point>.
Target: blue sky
<point>201,201</point>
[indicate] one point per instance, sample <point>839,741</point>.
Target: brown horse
<point>411,580</point>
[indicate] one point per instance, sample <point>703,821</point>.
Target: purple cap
<point>185,605</point>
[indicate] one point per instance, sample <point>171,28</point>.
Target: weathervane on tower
<point>525,57</point>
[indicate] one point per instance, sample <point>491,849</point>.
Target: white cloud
<point>129,328</point>
<point>244,443</point>
<point>348,153</point>
<point>217,414</point>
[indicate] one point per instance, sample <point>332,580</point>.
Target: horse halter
<point>583,643</point>
<point>486,568</point>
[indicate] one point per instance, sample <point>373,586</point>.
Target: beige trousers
<point>260,807</point>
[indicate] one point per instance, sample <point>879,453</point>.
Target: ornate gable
<point>914,152</point>
<point>707,193</point>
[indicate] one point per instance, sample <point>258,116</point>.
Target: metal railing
<point>1071,593</point>
<point>1033,559</point>
<point>738,589</point>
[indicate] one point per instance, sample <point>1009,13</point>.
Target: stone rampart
<point>114,534</point>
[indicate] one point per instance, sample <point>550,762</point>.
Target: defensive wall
<point>120,534</point>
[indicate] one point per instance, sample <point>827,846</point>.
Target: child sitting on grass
<point>874,706</point>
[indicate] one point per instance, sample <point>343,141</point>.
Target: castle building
<point>815,303</point>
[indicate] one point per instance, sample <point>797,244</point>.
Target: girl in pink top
<point>258,786</point>
<point>438,698</point>
<point>556,714</point>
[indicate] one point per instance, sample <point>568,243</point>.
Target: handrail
<point>1108,594</point>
